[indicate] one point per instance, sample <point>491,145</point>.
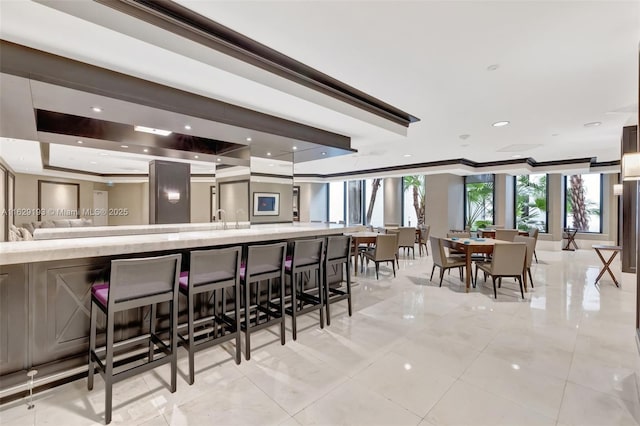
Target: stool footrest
<point>309,298</point>
<point>262,325</point>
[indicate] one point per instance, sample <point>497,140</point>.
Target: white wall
<point>392,188</point>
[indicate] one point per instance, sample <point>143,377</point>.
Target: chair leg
<point>432,271</point>
<point>190,348</point>
<point>394,269</point>
<point>283,336</point>
<point>174,344</point>
<point>475,279</point>
<point>294,308</point>
<point>92,344</point>
<point>152,329</point>
<point>530,277</point>
<point>500,282</point>
<point>521,288</point>
<point>236,305</point>
<point>441,275</point>
<point>108,371</point>
<point>398,260</point>
<point>326,293</point>
<point>320,296</point>
<point>460,269</point>
<point>377,270</point>
<point>348,290</point>
<point>247,312</point>
<point>535,256</point>
<point>495,292</point>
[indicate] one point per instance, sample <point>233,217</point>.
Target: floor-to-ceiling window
<point>531,202</point>
<point>337,202</point>
<point>354,202</point>
<point>478,200</point>
<point>413,200</point>
<point>374,202</point>
<point>583,202</point>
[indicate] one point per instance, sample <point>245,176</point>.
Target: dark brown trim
<point>12,217</point>
<point>270,175</point>
<point>212,189</point>
<point>184,22</point>
<point>464,162</point>
<point>40,182</point>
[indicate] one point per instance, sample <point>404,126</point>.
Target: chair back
<point>307,252</point>
<point>531,246</point>
<point>391,225</point>
<point>533,233</point>
<point>386,247</point>
<point>424,233</point>
<point>132,279</point>
<point>437,251</point>
<point>459,234</point>
<point>338,248</point>
<point>506,234</point>
<point>265,260</point>
<point>508,259</point>
<point>407,236</point>
<point>213,266</point>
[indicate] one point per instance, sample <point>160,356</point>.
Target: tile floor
<point>411,354</point>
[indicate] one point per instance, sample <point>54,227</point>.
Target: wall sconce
<point>173,196</point>
<point>617,189</point>
<point>631,166</point>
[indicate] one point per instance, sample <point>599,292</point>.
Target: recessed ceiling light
<point>271,165</point>
<point>464,137</point>
<point>323,153</point>
<point>93,162</point>
<point>248,139</point>
<point>516,156</point>
<point>295,147</point>
<point>96,109</point>
<point>80,142</point>
<point>493,67</point>
<point>407,155</point>
<point>187,127</point>
<point>145,150</point>
<point>152,130</point>
<point>592,124</point>
<point>554,134</point>
<point>268,154</point>
<point>195,156</point>
<point>219,159</point>
<point>500,123</point>
<point>464,145</point>
<point>124,146</point>
<point>104,154</point>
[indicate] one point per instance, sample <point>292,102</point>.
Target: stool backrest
<point>216,265</point>
<point>338,247</point>
<point>265,259</point>
<point>307,252</point>
<point>136,278</point>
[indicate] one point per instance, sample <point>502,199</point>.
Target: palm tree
<point>479,202</point>
<point>372,200</point>
<point>531,201</point>
<point>416,182</point>
<point>577,203</point>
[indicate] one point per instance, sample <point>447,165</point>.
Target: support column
<point>392,200</point>
<point>169,186</point>
<point>629,205</point>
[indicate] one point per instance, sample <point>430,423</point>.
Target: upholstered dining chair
<point>396,232</point>
<point>507,261</point>
<point>423,237</point>
<point>386,250</point>
<point>441,260</point>
<point>457,234</point>
<point>407,239</point>
<point>533,233</point>
<point>506,234</point>
<point>531,246</point>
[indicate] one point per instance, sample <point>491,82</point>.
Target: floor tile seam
<point>335,386</point>
<point>424,418</point>
<point>564,390</point>
<point>609,394</point>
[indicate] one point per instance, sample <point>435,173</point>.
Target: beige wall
<point>132,196</point>
<point>200,201</point>
<point>443,205</point>
<point>392,188</point>
<point>286,201</point>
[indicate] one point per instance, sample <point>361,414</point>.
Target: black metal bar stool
<point>263,263</point>
<point>134,283</point>
<point>338,254</point>
<point>212,271</point>
<point>306,257</point>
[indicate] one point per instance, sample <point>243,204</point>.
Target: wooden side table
<point>614,251</point>
<point>570,235</point>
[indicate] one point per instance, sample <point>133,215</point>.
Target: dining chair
<point>531,246</point>
<point>533,233</point>
<point>508,261</point>
<point>407,239</point>
<point>386,250</point>
<point>396,232</point>
<point>441,260</point>
<point>506,234</point>
<point>423,237</point>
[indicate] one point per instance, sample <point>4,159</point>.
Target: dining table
<point>358,238</point>
<point>469,246</point>
<point>491,233</point>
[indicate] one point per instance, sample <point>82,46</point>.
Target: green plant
<point>479,202</point>
<point>531,202</point>
<point>417,185</point>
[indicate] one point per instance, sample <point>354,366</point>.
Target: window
<point>374,202</point>
<point>412,193</point>
<point>354,202</point>
<point>583,202</point>
<point>478,201</point>
<point>336,202</point>
<point>531,202</point>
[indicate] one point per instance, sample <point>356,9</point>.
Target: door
<point>100,208</point>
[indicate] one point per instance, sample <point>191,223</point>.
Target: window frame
<point>464,200</point>
<point>564,199</point>
<point>515,201</point>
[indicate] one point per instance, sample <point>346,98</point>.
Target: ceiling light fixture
<point>464,136</point>
<point>516,156</point>
<point>323,153</point>
<point>268,154</point>
<point>93,162</point>
<point>124,146</point>
<point>407,155</point>
<point>96,109</point>
<point>219,159</point>
<point>554,134</point>
<point>271,165</point>
<point>593,124</point>
<point>500,123</point>
<point>80,142</point>
<point>248,139</point>
<point>493,67</point>
<point>631,166</point>
<point>295,147</point>
<point>152,130</point>
<point>618,189</point>
<point>187,127</point>
<point>196,157</point>
<point>104,154</point>
<point>145,150</point>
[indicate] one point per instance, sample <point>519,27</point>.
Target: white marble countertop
<point>75,248</point>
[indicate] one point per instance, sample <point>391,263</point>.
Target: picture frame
<point>266,204</point>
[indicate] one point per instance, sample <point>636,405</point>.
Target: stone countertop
<point>75,248</point>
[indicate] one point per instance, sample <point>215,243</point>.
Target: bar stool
<point>212,271</point>
<point>264,263</point>
<point>306,258</point>
<point>337,254</point>
<point>134,283</point>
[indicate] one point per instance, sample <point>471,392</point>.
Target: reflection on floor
<point>411,354</point>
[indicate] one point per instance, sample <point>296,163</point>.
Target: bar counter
<point>45,291</point>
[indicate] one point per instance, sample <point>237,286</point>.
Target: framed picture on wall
<point>266,204</point>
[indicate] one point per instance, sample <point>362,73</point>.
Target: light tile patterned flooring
<point>411,354</point>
